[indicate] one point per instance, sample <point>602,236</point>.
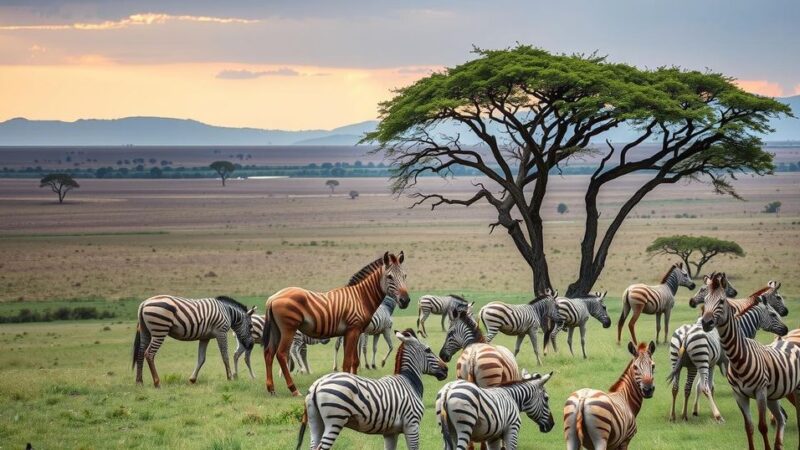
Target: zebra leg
<point>775,407</point>
<point>496,444</point>
<point>350,364</point>
<point>761,405</point>
<point>247,361</point>
<point>303,359</point>
<point>143,344</point>
<point>336,346</point>
<point>443,317</point>
<point>222,343</point>
<point>390,442</point>
<point>691,373</point>
<point>375,350</point>
<point>280,354</point>
<point>315,423</point>
<point>509,437</point>
<point>411,433</point>
<point>520,338</point>
<point>333,426</point>
<point>201,359</point>
<point>532,335</point>
<point>666,324</point>
<point>150,356</point>
<point>569,340</point>
<point>236,354</point>
<point>658,326</point>
<point>637,311</point>
<point>743,402</point>
<point>626,308</point>
<point>710,394</point>
<point>387,336</point>
<point>362,348</point>
<point>675,382</point>
<point>583,339</point>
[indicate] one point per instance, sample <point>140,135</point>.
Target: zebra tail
<point>265,336</point>
<point>677,364</point>
<point>447,425</point>
<point>303,423</point>
<point>137,340</point>
<point>624,313</point>
<point>579,420</point>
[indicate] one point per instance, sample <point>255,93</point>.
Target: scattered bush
<point>63,313</point>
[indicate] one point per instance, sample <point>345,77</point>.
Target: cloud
<point>130,21</point>
<point>244,74</point>
<point>761,87</point>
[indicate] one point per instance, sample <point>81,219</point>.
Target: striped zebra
<point>469,413</point>
<point>380,325</point>
<point>766,373</point>
<point>480,363</point>
<point>519,320</point>
<point>298,352</point>
<point>598,420</point>
<point>387,406</point>
<point>574,313</point>
<point>187,319</point>
<point>341,312</point>
<point>770,291</point>
<point>436,304</point>
<point>699,352</point>
<point>658,300</point>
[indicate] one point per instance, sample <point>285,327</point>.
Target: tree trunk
<point>223,181</point>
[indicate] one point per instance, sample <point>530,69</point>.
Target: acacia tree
<point>532,111</point>
<point>223,168</point>
<point>60,183</point>
<point>684,246</point>
<point>332,185</point>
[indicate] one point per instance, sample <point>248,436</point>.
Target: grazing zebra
<point>575,312</point>
<point>388,406</point>
<point>345,311</point>
<point>766,373</point>
<point>770,292</point>
<point>188,320</point>
<point>519,320</point>
<point>657,300</point>
<point>380,325</point>
<point>256,329</point>
<point>469,413</point>
<point>435,304</point>
<point>598,420</point>
<point>298,352</point>
<point>480,363</point>
<point>699,352</point>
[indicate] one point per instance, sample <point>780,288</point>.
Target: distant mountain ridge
<point>144,131</point>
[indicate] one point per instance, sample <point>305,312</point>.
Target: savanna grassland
<point>68,384</point>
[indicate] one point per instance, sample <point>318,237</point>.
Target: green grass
<point>69,385</point>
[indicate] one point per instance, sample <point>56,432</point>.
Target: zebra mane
<point>621,380</point>
<point>457,297</point>
<point>398,358</point>
<point>759,292</point>
<point>472,323</point>
<point>538,298</point>
<point>366,271</point>
<point>669,272</point>
<point>231,302</point>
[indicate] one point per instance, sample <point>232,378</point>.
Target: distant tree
<point>155,172</point>
<point>353,195</point>
<point>337,172</point>
<point>103,172</point>
<point>224,169</point>
<point>773,208</point>
<point>152,160</point>
<point>562,208</point>
<point>684,246</point>
<point>332,185</point>
<point>60,183</point>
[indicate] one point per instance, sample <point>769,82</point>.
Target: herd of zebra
<point>490,391</point>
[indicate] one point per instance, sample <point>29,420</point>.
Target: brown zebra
<point>656,300</point>
<point>345,311</point>
<point>598,420</point>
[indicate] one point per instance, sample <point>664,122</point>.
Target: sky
<point>309,64</point>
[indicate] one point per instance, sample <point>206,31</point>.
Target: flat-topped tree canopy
<point>531,111</point>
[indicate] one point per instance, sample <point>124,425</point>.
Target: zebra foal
<point>387,406</point>
<point>574,313</point>
<point>187,319</point>
<point>442,305</point>
<point>469,413</point>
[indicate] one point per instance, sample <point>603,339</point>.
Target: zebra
<point>344,311</point>
<point>766,373</point>
<point>600,420</point>
<point>435,304</point>
<point>188,320</point>
<point>575,312</point>
<point>656,300</point>
<point>388,406</point>
<point>298,352</point>
<point>699,352</point>
<point>519,320</point>
<point>481,363</point>
<point>770,291</point>
<point>469,413</point>
<point>380,325</point>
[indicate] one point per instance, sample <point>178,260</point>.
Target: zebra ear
<point>679,265</point>
<point>401,257</point>
<point>604,294</point>
<point>400,336</point>
<point>632,349</point>
<point>544,379</point>
<point>386,259</point>
<point>251,310</point>
<point>651,348</point>
<point>706,279</point>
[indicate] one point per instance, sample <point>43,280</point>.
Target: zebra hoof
<point>719,419</point>
<point>296,394</point>
<point>193,380</point>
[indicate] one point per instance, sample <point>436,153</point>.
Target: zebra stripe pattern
<point>480,363</point>
<point>435,304</point>
<point>766,373</point>
<point>700,352</point>
<point>596,419</point>
<point>519,320</point>
<point>188,320</point>
<point>387,406</point>
<point>380,325</point>
<point>469,413</point>
<point>574,313</point>
<point>340,312</point>
<point>658,300</point>
<point>770,292</point>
